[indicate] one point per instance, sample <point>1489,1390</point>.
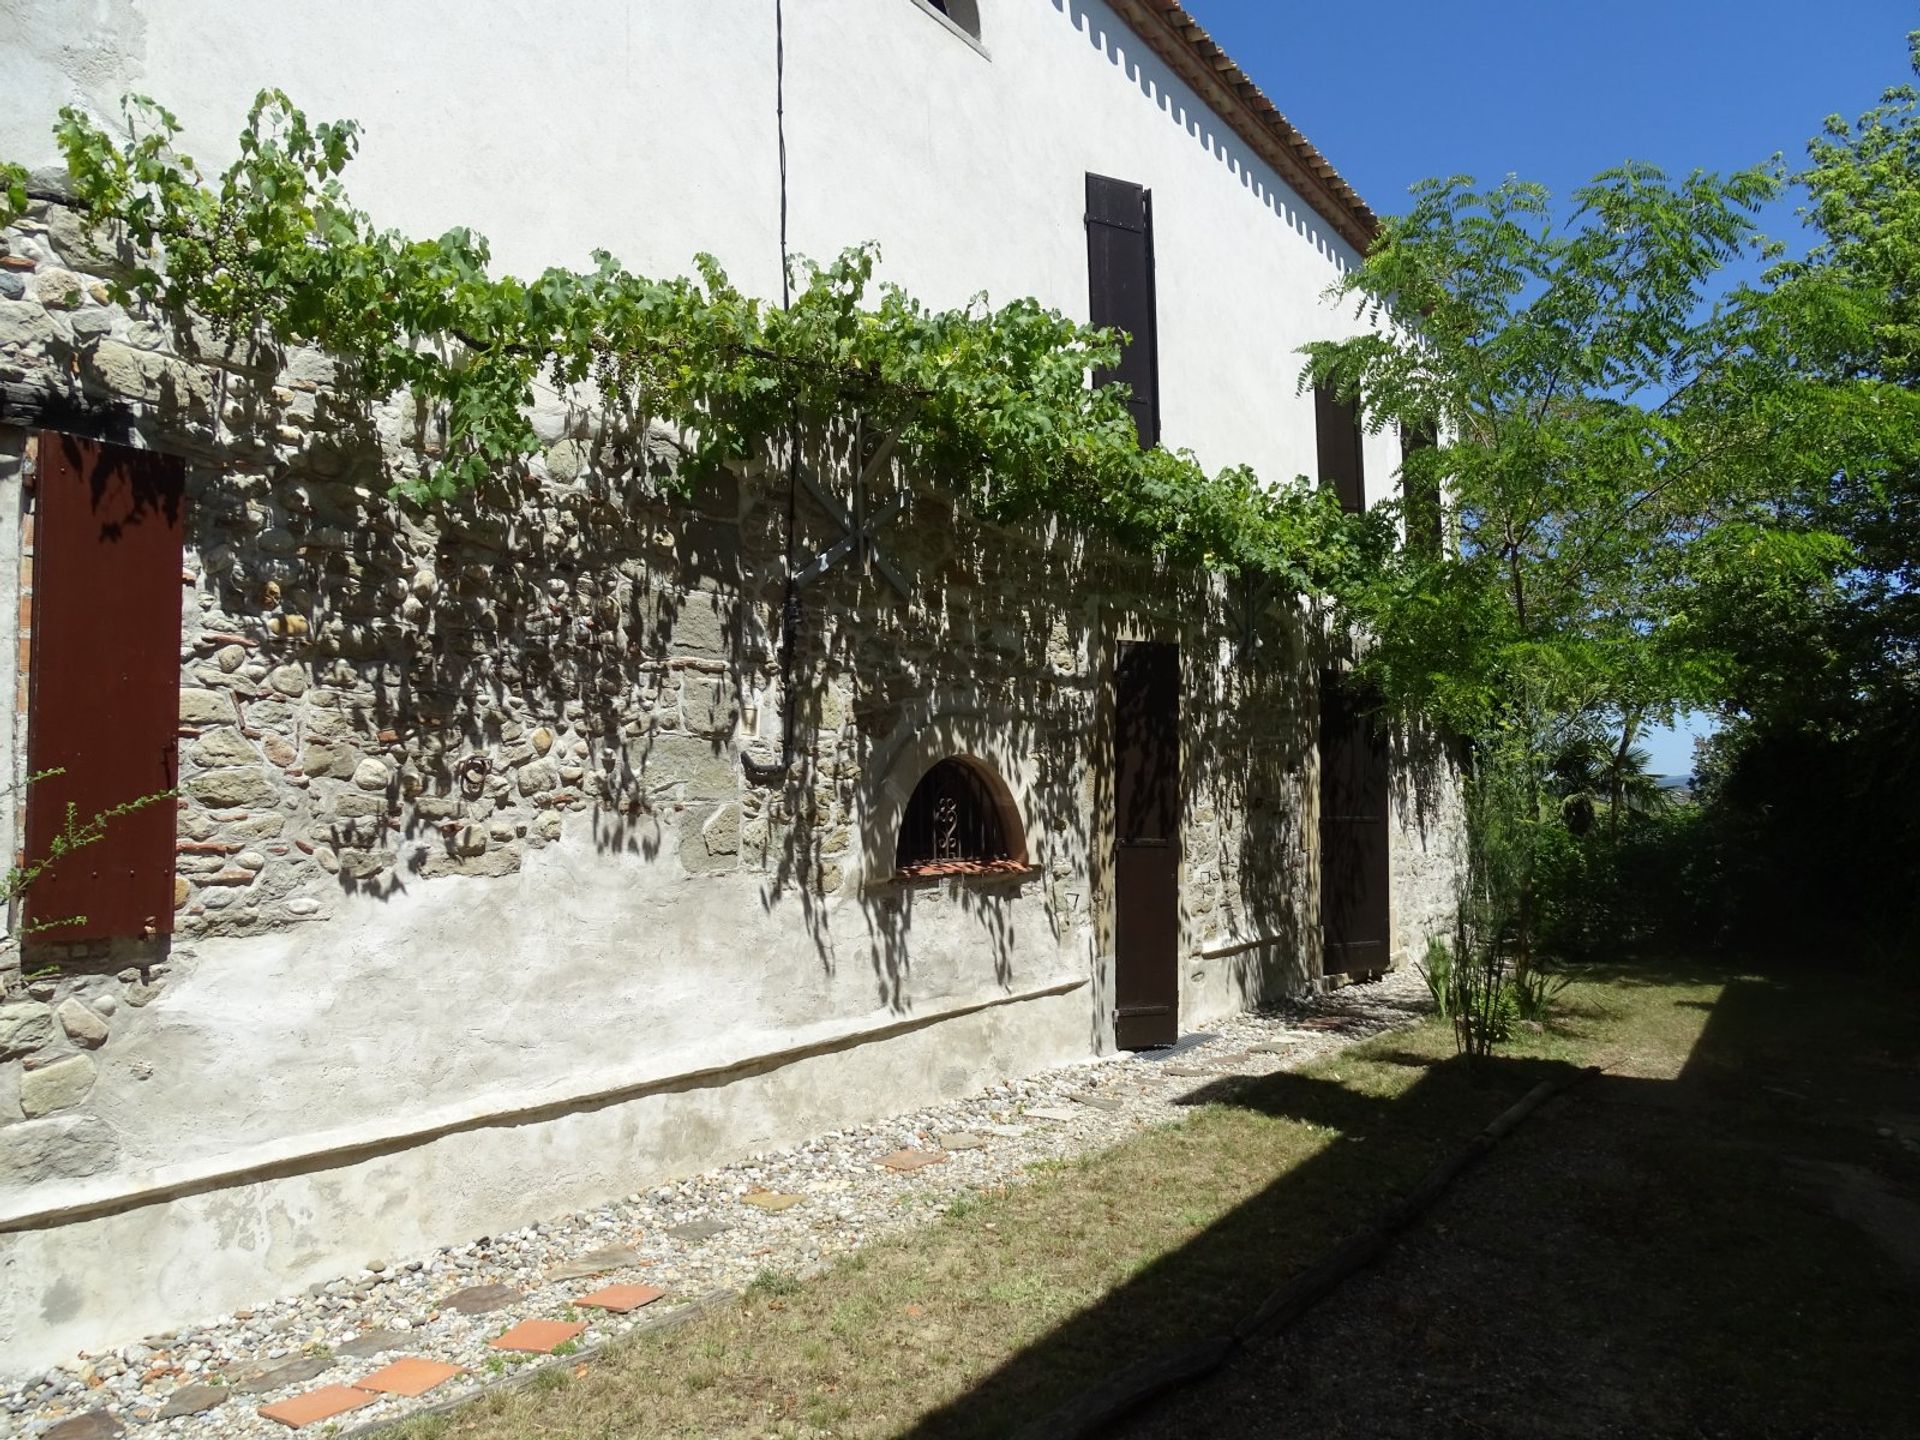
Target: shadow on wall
<point>1253,709</point>
<point>1172,97</point>
<point>376,694</point>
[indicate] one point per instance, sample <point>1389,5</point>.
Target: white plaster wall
<point>647,127</point>
<point>584,963</point>
<point>104,1281</point>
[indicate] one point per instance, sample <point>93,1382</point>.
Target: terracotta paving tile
<point>694,1231</point>
<point>768,1201</point>
<point>962,1140</point>
<point>316,1405</point>
<point>1050,1112</point>
<point>409,1376</point>
<point>542,1337</point>
<point>621,1298</point>
<point>1097,1102</point>
<point>913,1159</point>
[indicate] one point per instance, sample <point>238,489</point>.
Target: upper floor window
<point>1420,491</point>
<point>1120,292</point>
<point>965,14</point>
<point>1336,425</point>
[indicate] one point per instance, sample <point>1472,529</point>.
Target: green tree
<point>1609,435</point>
<point>1817,783</point>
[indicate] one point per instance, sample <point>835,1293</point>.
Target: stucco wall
<point>646,127</point>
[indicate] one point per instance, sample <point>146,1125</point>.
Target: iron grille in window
<point>952,824</point>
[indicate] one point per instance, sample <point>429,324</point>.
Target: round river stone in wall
<point>83,1027</point>
<point>62,1147</point>
<point>24,1027</point>
<point>54,1087</point>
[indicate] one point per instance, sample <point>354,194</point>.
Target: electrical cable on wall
<point>790,605</point>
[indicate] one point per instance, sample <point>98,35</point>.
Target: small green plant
<point>771,1283</point>
<point>496,1365</point>
<point>567,1347</point>
<point>1437,970</point>
<point>1535,991</point>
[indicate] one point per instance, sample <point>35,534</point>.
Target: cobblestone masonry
<point>377,699</point>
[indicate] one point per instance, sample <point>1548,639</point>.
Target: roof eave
<point>1177,38</point>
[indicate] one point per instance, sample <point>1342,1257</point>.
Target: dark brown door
<point>1353,834</point>
<point>105,684</point>
<point>1146,744</point>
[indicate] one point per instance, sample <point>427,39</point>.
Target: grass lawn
<point>1017,1299</point>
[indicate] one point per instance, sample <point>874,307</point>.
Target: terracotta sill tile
<point>621,1298</point>
<point>316,1405</point>
<point>542,1337</point>
<point>409,1376</point>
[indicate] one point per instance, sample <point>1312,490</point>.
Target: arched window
<point>956,823</point>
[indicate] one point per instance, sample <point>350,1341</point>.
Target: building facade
<point>481,895</point>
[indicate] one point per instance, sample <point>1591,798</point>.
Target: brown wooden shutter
<point>1120,286</point>
<point>104,704</point>
<point>1336,426</point>
<point>1420,496</point>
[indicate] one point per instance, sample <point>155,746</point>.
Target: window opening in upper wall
<point>1337,437</point>
<point>965,14</point>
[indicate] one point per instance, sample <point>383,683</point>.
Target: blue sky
<point>1556,90</point>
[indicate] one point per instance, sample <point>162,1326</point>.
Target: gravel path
<point>783,1212</point>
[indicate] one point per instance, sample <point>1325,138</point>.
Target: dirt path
<point>1723,1240</point>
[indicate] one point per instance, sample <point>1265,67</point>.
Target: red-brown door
<point>104,706</point>
<point>1146,743</point>
<point>1353,834</point>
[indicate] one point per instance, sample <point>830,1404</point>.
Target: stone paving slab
<point>598,1262</point>
<point>374,1342</point>
<point>909,1160</point>
<point>276,1377</point>
<point>1057,1113</point>
<point>94,1425</point>
<point>773,1204</point>
<point>194,1400</point>
<point>695,1231</point>
<point>481,1299</point>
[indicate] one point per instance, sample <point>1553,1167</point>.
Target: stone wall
<point>466,836</point>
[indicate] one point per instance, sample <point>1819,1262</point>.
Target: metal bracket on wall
<point>858,522</point>
<point>1258,591</point>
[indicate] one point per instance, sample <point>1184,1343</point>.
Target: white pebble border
<point>849,1200</point>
